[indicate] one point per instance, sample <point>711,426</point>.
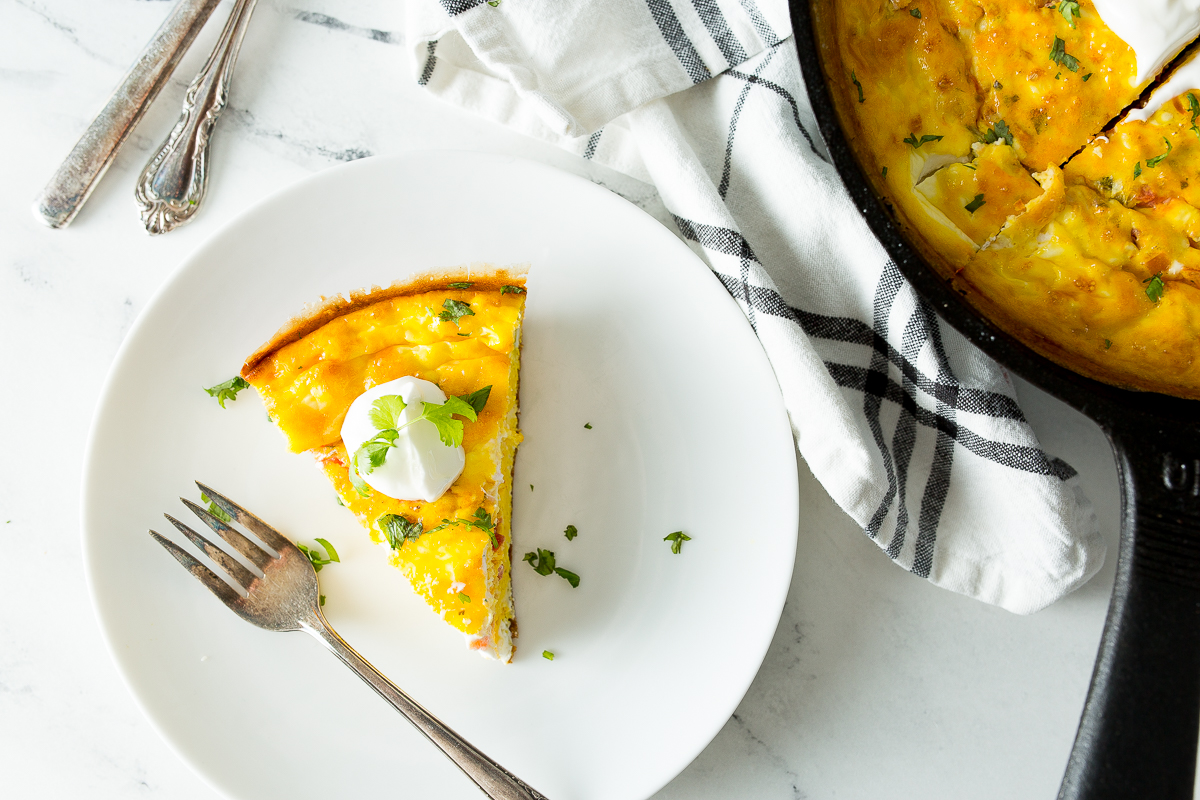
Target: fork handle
<point>495,781</point>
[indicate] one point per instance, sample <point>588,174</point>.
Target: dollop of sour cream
<point>419,467</point>
<point>1156,29</point>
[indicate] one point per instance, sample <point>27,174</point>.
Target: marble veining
<point>876,685</point>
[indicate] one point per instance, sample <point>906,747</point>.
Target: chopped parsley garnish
<point>1058,54</point>
<point>398,529</point>
<point>531,487</point>
<point>506,289</point>
<point>915,142</point>
<point>970,167</point>
<point>884,172</point>
<point>1087,77</point>
<point>494,3</point>
<point>1107,343</point>
<point>215,509</point>
<point>915,12</point>
<point>466,598</point>
<point>478,398</point>
<point>858,86</point>
<point>975,204</point>
<point>1194,107</point>
<point>571,532</point>
<point>543,564</point>
<point>228,390</point>
<point>464,334</point>
<point>482,521</point>
<point>546,654</point>
<point>1155,287</point>
<point>587,425</point>
<point>998,132</point>
<point>1070,11</point>
<point>1137,169</point>
<point>1154,162</point>
<point>454,310</point>
<point>322,600</point>
<point>318,561</point>
<point>460,285</point>
<point>677,539</point>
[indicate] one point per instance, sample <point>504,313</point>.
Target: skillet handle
<point>1138,733</point>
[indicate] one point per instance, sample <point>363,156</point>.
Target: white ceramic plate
<point>626,330</point>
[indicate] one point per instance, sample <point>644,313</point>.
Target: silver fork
<point>285,598</point>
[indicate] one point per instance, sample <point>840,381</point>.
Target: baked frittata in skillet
<point>990,127</point>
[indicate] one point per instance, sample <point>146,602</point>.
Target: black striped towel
<point>912,430</point>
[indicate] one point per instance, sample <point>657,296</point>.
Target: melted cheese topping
<point>308,385</point>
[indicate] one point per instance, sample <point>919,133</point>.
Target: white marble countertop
<point>877,684</point>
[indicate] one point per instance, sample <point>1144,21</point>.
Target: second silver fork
<point>285,598</point>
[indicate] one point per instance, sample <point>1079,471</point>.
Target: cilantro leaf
<point>998,132</point>
<point>571,532</point>
<point>568,576</point>
<point>1137,170</point>
<point>455,310</point>
<point>460,285</point>
<point>466,598</point>
<point>477,399</point>
<point>975,204</point>
<point>1194,107</point>
<point>356,480</point>
<point>915,142</point>
<point>1070,11</point>
<point>914,12</point>
<point>398,530</point>
<point>546,654</point>
<point>1155,287</point>
<point>542,561</point>
<point>228,390</point>
<point>858,86</point>
<point>450,430</point>
<point>215,509</point>
<point>481,520</point>
<point>385,412</point>
<point>1087,77</point>
<point>506,289</point>
<point>316,559</point>
<point>677,539</point>
<point>1058,54</point>
<point>1154,162</point>
<point>587,425</point>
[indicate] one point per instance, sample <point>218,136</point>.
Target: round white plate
<point>626,330</point>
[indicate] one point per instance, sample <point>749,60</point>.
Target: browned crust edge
<point>485,277</point>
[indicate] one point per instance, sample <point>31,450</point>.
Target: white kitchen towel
<point>909,427</point>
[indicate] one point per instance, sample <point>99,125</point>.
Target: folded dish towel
<point>911,429</point>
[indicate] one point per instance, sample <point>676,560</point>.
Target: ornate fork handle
<point>172,185</point>
<point>495,781</point>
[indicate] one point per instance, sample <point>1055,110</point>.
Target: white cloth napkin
<point>910,428</point>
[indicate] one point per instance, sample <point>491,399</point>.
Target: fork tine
<point>259,557</point>
<point>231,566</point>
<point>203,574</point>
<point>264,531</point>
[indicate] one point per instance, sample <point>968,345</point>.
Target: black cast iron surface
<point>1137,735</point>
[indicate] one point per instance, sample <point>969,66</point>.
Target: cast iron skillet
<point>1138,732</point>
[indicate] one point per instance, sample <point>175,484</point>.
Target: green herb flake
<point>506,289</point>
<point>454,310</point>
<point>1137,170</point>
<point>494,3</point>
<point>1070,11</point>
<point>477,399</point>
<point>1059,55</point>
<point>466,598</point>
<point>568,576</point>
<point>975,204</point>
<point>385,412</point>
<point>1155,287</point>
<point>481,520</point>
<point>571,532</point>
<point>228,390</point>
<point>398,530</point>
<point>914,12</point>
<point>1194,107</point>
<point>916,143</point>
<point>1105,183</point>
<point>542,561</point>
<point>460,285</point>
<point>464,334</point>
<point>317,560</point>
<point>1107,343</point>
<point>587,425</point>
<point>858,86</point>
<point>1154,162</point>
<point>677,539</point>
<point>885,172</point>
<point>1087,77</point>
<point>215,509</point>
<point>322,600</point>
<point>546,654</point>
